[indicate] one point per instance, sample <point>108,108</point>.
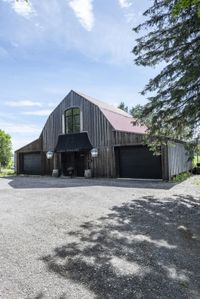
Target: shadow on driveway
<point>42,296</point>
<point>148,248</point>
<point>29,182</point>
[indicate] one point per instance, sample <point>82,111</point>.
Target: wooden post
<point>55,172</point>
<point>55,161</point>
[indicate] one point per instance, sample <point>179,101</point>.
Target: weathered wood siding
<point>94,122</point>
<point>177,159</point>
<point>102,136</point>
<point>125,138</point>
<point>35,146</point>
<point>104,164</point>
<point>164,162</point>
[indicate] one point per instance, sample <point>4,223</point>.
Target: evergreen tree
<point>137,113</point>
<point>184,4</point>
<point>173,41</point>
<point>123,107</point>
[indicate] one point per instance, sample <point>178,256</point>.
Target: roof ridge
<point>128,115</point>
<point>102,104</point>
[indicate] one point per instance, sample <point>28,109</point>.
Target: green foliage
<point>123,107</point>
<point>186,4</point>
<point>162,138</point>
<point>6,172</point>
<point>10,164</point>
<point>174,94</point>
<point>196,159</point>
<point>5,148</point>
<point>153,143</point>
<point>181,177</point>
<point>136,111</point>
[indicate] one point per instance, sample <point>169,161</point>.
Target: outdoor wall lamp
<point>49,155</point>
<point>94,152</point>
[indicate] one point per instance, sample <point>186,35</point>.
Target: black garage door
<point>32,163</point>
<point>139,162</point>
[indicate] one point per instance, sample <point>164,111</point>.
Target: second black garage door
<point>138,162</point>
<point>32,163</point>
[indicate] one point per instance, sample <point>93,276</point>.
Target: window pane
<point>72,120</point>
<point>76,120</point>
<point>76,129</point>
<point>69,122</point>
<point>76,111</point>
<point>68,112</point>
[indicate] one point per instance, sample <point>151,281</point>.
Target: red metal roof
<point>123,123</point>
<point>119,119</point>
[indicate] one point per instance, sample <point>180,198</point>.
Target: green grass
<point>6,172</point>
<point>181,177</point>
<point>197,182</point>
<point>195,161</point>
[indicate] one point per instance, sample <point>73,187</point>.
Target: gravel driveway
<point>77,238</point>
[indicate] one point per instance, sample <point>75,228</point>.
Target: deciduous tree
<point>5,148</point>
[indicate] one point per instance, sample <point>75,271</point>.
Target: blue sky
<point>49,47</point>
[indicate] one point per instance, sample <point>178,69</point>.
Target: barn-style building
<point>81,123</point>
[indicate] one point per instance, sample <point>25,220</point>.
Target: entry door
<point>80,164</point>
<point>67,161</point>
<point>139,162</point>
<point>76,160</point>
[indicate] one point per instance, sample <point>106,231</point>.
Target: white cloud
<point>23,104</point>
<point>22,7</point>
<point>19,128</point>
<point>125,3</point>
<point>38,112</point>
<point>109,41</point>
<point>83,10</point>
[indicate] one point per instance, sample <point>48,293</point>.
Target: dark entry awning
<point>73,142</point>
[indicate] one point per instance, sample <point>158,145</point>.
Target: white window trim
<point>63,123</point>
<point>81,121</point>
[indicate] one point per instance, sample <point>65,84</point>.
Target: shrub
<point>181,177</point>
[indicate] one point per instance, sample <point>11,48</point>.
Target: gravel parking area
<point>75,238</point>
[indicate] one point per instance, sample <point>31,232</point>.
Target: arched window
<point>72,120</point>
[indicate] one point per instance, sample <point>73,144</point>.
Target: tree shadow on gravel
<point>42,296</point>
<point>147,248</point>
